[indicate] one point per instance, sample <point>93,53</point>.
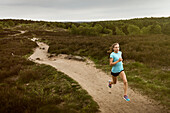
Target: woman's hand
<point>120,59</point>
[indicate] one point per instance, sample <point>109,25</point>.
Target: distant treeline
<point>141,26</point>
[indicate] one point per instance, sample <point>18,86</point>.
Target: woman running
<point>117,68</point>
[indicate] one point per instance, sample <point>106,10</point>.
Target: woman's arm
<point>113,63</point>
<point>122,58</point>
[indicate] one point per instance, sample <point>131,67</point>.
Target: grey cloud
<point>73,4</point>
<point>82,9</point>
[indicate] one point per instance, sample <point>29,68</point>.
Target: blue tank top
<point>119,66</point>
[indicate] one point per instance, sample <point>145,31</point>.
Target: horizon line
<point>92,20</point>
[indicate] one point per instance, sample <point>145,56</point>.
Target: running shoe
<point>126,98</point>
<point>110,85</point>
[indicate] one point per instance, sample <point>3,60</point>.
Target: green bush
<point>119,32</point>
<point>146,30</point>
<point>155,29</point>
<point>1,27</point>
<point>166,28</point>
<point>133,30</point>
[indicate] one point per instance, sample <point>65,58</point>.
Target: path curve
<point>94,81</point>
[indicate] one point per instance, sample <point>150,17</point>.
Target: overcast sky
<point>83,10</point>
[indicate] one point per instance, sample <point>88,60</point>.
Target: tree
<point>10,23</point>
<point>62,25</point>
<point>73,29</point>
<point>155,29</point>
<point>119,32</point>
<point>1,27</point>
<point>93,31</point>
<point>87,31</point>
<point>85,25</point>
<point>146,30</point>
<point>98,28</point>
<point>124,29</point>
<point>166,28</point>
<point>6,25</point>
<point>68,25</point>
<point>133,30</point>
<point>107,31</point>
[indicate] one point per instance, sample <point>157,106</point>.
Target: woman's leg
<point>114,80</point>
<point>123,77</point>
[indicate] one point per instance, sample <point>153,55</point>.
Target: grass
<point>26,87</point>
<point>6,32</point>
<point>52,92</point>
<point>153,82</point>
<point>142,48</point>
<point>11,52</point>
<point>149,81</point>
<point>149,71</point>
<point>146,62</point>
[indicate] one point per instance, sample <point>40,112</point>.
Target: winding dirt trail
<point>94,81</point>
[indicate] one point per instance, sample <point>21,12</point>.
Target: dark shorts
<point>116,74</point>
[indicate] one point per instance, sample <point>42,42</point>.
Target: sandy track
<point>94,81</point>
